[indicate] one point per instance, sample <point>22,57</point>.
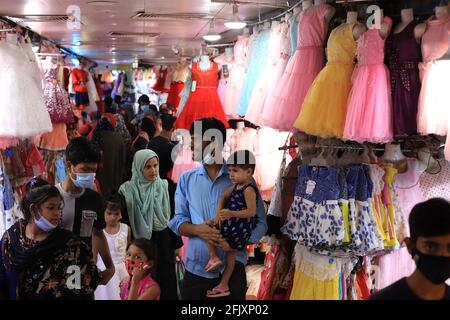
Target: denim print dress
<point>315,218</point>
<point>235,230</point>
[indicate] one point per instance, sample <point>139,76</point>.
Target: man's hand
<point>225,214</point>
<point>207,232</point>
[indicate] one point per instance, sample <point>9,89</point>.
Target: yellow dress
<point>325,107</point>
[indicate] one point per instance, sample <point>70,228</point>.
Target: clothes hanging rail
<point>343,147</point>
<point>51,54</point>
<point>220,45</point>
<point>8,30</point>
<point>277,16</point>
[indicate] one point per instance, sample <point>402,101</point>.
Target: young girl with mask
<point>236,218</point>
<point>41,260</point>
<point>118,235</point>
<point>140,263</point>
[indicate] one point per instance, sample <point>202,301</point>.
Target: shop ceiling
<point>122,30</point>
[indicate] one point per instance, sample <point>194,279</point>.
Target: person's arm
<point>261,224</point>
<point>101,246</point>
<point>129,235</point>
<point>221,205</point>
<point>250,200</point>
<point>181,223</point>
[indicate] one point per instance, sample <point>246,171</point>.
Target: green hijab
<point>147,201</point>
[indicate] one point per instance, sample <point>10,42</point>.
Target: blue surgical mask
<point>145,108</point>
<point>84,180</point>
<point>44,224</point>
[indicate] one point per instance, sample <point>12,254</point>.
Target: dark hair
<point>82,150</point>
<point>430,219</point>
<point>108,102</point>
<point>153,109</point>
<point>242,159</point>
<point>210,123</point>
<point>118,99</point>
<point>115,198</point>
<point>167,121</point>
<point>144,99</point>
<point>150,250</point>
<point>148,126</point>
<point>37,192</point>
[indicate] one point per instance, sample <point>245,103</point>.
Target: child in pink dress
<point>140,261</point>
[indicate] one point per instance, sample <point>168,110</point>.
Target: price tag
<point>194,86</point>
<point>310,186</point>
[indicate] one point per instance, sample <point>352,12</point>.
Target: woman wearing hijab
<point>112,172</point>
<point>148,213</point>
<point>41,261</point>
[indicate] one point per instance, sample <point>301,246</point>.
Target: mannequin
<point>319,2</point>
<point>255,29</point>
<point>275,23</point>
<point>431,164</point>
<point>229,52</point>
<point>393,155</point>
<point>352,16</point>
<point>442,12</point>
<point>266,25</point>
<point>287,17</point>
<point>246,32</point>
<point>306,4</point>
<point>407,16</point>
<point>385,29</point>
<point>297,10</point>
<point>205,63</point>
<point>359,29</point>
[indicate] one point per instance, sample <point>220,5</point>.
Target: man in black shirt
<point>429,245</point>
<point>83,212</point>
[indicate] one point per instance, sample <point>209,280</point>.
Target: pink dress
<point>271,104</point>
<point>436,185</point>
<point>222,88</point>
<point>259,94</point>
<point>145,283</point>
<point>303,68</point>
<point>434,105</point>
<point>369,112</point>
<point>237,75</point>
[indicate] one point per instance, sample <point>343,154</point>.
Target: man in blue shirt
<point>196,199</point>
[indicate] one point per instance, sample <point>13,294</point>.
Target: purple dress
<point>403,57</point>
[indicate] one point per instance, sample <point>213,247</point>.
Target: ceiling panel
<point>97,21</point>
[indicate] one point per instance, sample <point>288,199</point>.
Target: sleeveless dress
<point>204,102</point>
<point>257,63</point>
<point>403,56</point>
<point>302,68</point>
<point>56,98</point>
<point>117,244</point>
<point>23,113</point>
<point>369,110</point>
<point>325,107</point>
<point>235,230</point>
<point>237,75</point>
<point>222,88</point>
<point>434,110</point>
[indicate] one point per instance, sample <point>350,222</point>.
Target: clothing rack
<point>277,16</point>
<point>8,30</point>
<point>221,45</point>
<point>51,54</point>
<point>342,147</point>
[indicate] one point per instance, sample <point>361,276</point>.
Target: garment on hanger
<point>325,106</point>
<point>222,89</point>
<point>403,56</point>
<point>434,114</point>
<point>185,93</point>
<point>56,98</point>
<point>93,94</point>
<point>237,75</point>
<point>257,62</point>
<point>271,104</point>
<point>204,102</point>
<point>161,80</point>
<point>55,140</point>
<point>266,78</point>
<point>179,75</point>
<point>436,185</point>
<point>79,79</point>
<point>302,68</point>
<point>369,110</point>
<point>23,113</point>
<point>107,76</point>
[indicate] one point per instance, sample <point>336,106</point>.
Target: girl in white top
<point>118,236</point>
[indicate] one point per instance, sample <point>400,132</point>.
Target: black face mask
<point>435,268</point>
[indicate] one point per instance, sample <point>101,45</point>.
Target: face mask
<point>44,224</point>
<point>434,268</point>
<point>145,108</point>
<point>130,264</point>
<point>84,180</point>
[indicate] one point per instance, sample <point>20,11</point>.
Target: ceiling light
<point>163,57</point>
<point>102,3</point>
<point>236,23</point>
<point>78,43</point>
<point>212,34</point>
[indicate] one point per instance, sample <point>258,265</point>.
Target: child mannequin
<point>407,16</point>
<point>236,217</point>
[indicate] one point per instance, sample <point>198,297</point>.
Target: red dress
<point>204,102</point>
<point>174,94</point>
<point>161,80</point>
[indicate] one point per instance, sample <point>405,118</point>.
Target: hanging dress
<point>403,56</point>
<point>302,68</point>
<point>237,75</point>
<point>325,107</point>
<point>434,110</point>
<point>369,110</point>
<point>226,65</point>
<point>56,98</point>
<point>257,63</point>
<point>204,102</point>
<point>23,113</point>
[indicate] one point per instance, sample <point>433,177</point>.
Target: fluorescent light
<point>236,23</point>
<point>78,43</point>
<point>163,57</point>
<point>212,34</point>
